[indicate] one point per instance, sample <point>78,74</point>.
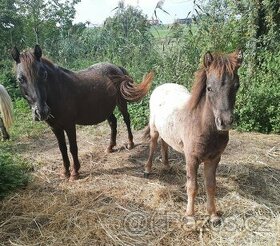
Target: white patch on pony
<point>168,113</point>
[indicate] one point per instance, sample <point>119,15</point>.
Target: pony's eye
<point>209,88</point>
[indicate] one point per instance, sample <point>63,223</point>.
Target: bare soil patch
<point>112,204</point>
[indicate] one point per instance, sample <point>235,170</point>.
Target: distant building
<point>154,22</point>
<point>183,21</point>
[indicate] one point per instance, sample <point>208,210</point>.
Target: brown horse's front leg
<point>210,168</point>
<point>191,165</point>
<point>59,133</point>
<point>71,133</point>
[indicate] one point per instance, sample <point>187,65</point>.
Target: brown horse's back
<point>96,93</point>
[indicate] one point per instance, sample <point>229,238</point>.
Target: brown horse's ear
<point>37,52</point>
<point>15,54</point>
<point>208,58</point>
<point>239,57</point>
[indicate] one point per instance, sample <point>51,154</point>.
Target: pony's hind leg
<point>164,154</point>
<point>153,145</point>
<point>5,134</point>
<point>112,120</point>
<point>123,108</point>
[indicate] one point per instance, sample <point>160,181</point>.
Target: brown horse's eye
<point>209,88</point>
<point>21,80</point>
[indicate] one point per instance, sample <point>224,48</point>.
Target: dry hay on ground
<point>112,204</point>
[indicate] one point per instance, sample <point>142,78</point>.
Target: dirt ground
<point>112,204</point>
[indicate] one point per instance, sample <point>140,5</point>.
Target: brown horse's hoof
<point>146,175</point>
<point>73,177</point>
<point>64,175</point>
<point>130,146</point>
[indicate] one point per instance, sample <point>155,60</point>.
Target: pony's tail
<point>133,92</point>
<point>146,136</point>
<point>6,107</point>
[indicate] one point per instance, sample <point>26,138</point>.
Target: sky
<point>96,11</point>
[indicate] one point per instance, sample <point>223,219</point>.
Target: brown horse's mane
<point>27,59</point>
<point>220,65</point>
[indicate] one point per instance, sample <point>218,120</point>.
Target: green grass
<point>14,170</point>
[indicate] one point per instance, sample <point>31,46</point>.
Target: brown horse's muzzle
<point>41,113</point>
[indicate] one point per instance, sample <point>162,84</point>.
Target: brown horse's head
<point>218,82</point>
<point>32,76</point>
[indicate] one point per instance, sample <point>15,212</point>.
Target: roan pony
<point>64,98</point>
<point>6,117</point>
<point>196,124</point>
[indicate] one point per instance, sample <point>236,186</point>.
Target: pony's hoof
<point>215,220</point>
<point>189,221</point>
<point>167,167</point>
<point>146,175</point>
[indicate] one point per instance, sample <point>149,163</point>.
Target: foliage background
<point>173,51</point>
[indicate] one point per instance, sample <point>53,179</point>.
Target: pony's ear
<point>239,57</point>
<point>208,58</point>
<point>37,52</point>
<point>15,54</point>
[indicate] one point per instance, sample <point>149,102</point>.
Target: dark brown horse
<point>64,98</point>
<point>197,124</point>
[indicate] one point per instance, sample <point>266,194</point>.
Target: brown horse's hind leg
<point>153,144</point>
<point>164,154</point>
<point>112,120</point>
<point>210,184</point>
<point>123,108</point>
<point>5,134</point>
<point>59,133</point>
<point>71,133</point>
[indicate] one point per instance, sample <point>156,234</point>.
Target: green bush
<point>258,100</point>
<point>13,173</point>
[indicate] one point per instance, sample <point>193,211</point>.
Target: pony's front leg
<point>5,134</point>
<point>59,133</point>
<point>191,165</point>
<point>71,133</point>
<point>210,168</point>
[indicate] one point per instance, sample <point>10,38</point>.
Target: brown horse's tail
<point>131,91</point>
<point>146,136</point>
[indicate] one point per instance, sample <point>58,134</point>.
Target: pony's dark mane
<point>220,65</point>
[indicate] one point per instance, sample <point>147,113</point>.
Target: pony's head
<point>32,77</point>
<point>218,82</point>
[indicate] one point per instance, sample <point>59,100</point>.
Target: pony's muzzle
<point>41,113</point>
<point>224,123</point>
